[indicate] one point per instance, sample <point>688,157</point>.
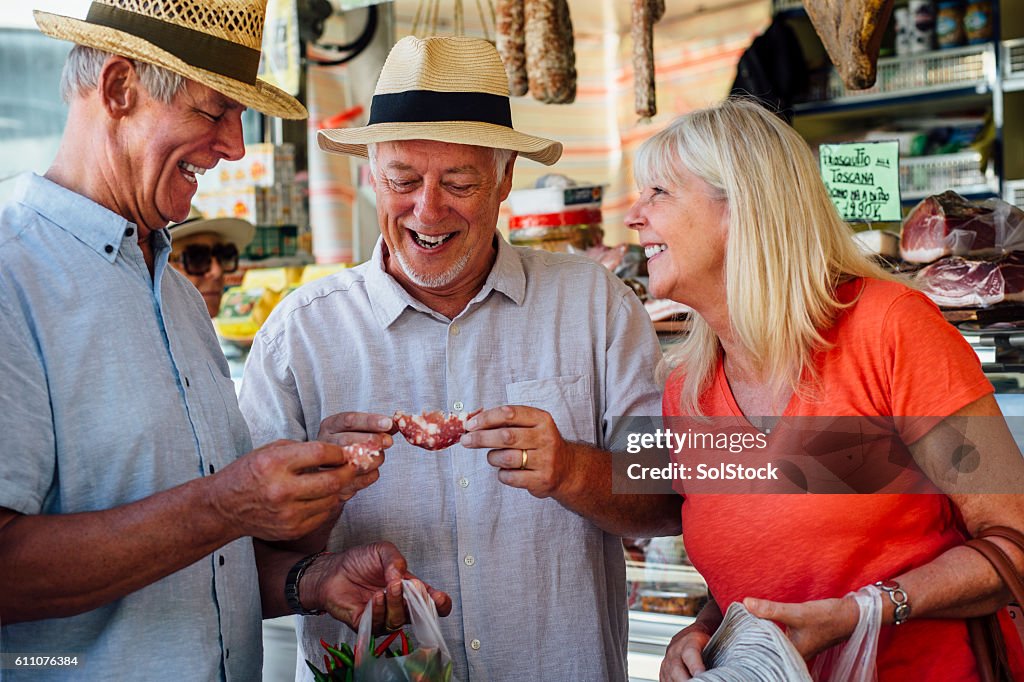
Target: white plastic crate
<point>1013,192</point>
<point>921,176</point>
<point>969,66</point>
<point>1013,58</point>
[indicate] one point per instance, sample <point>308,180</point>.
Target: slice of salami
<point>432,430</point>
<point>361,455</point>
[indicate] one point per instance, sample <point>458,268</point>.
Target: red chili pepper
<point>383,646</point>
<point>405,643</point>
<point>328,663</point>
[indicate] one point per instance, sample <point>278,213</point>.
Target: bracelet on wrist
<point>898,597</point>
<point>291,585</point>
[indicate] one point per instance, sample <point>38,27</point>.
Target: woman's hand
<point>812,626</point>
<point>683,657</point>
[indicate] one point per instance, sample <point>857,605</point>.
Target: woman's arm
<point>972,457</point>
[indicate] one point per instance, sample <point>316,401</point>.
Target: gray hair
<point>82,72</point>
<point>501,159</point>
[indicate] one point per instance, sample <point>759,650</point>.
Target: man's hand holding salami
<point>529,451</point>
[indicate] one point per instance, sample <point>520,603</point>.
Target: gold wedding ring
<point>523,465</point>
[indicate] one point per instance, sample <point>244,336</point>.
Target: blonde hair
<point>787,247</point>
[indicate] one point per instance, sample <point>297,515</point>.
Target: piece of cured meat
<point>948,225</point>
<point>851,31</point>
<point>955,282</point>
<point>432,430</point>
<point>644,13</point>
<point>362,455</point>
<point>550,56</point>
<point>511,44</point>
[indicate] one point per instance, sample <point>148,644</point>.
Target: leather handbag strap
<point>987,641</point>
<point>1005,532</point>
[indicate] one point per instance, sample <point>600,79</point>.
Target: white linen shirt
<point>112,388</point>
<point>538,591</point>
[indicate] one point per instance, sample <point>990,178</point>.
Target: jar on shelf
<point>949,24</point>
<point>978,21</point>
<point>922,25</point>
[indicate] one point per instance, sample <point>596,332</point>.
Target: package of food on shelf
<point>949,225</point>
<point>955,282</point>
<point>577,228</point>
<point>879,242</point>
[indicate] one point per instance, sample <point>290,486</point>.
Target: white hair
<point>501,159</point>
<point>84,64</point>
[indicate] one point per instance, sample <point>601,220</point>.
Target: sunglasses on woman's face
<point>197,258</point>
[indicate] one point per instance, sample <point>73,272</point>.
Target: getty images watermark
<point>818,455</point>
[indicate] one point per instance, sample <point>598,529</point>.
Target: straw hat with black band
<point>445,89</point>
<point>214,42</point>
<point>232,230</point>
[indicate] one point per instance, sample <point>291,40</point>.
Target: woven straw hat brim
<point>234,230</point>
<point>261,96</point>
<point>353,141</point>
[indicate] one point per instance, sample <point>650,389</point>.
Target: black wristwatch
<point>291,585</point>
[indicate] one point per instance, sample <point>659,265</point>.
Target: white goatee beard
<point>432,281</point>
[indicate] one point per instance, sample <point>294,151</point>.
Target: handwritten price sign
<point>863,179</point>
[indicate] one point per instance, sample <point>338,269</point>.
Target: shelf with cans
<point>950,89</point>
<point>262,188</point>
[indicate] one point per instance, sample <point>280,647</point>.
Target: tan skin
<point>959,583</point>
<point>449,190</point>
<point>211,284</point>
<point>124,150</point>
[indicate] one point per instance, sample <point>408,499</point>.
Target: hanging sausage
<point>511,44</point>
<point>550,57</point>
<point>644,15</point>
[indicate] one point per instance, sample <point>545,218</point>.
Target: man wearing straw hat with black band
<point>126,496</point>
<point>517,521</point>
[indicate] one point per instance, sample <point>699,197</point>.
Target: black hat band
<point>193,47</point>
<point>428,106</point>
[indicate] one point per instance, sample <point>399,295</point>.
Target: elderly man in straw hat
<point>517,521</point>
<point>206,249</point>
<point>126,496</point>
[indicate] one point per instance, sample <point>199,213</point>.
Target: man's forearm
<point>54,566</point>
<point>589,494</point>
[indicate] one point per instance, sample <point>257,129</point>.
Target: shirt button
<point>129,232</point>
<point>475,645</point>
<point>464,482</point>
<point>470,560</point>
<point>221,559</point>
<point>455,330</point>
<point>108,248</point>
<point>212,469</point>
<point>458,406</point>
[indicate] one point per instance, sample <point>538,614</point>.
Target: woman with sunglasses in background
<point>206,250</point>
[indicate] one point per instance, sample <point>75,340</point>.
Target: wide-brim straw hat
<point>445,89</point>
<point>232,230</point>
<point>214,42</point>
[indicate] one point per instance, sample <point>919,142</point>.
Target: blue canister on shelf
<point>978,21</point>
<point>949,24</point>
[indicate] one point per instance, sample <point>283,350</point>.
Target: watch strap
<point>291,585</point>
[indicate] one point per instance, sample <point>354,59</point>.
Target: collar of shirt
<point>83,218</point>
<point>389,299</point>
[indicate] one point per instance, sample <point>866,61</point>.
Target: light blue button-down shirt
<point>538,591</point>
<point>112,388</point>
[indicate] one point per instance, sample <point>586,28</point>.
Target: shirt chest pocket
<point>568,399</point>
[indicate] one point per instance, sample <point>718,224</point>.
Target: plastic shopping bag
<point>854,659</point>
<point>427,661</point>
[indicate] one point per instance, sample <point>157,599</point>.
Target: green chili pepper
<point>317,675</point>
